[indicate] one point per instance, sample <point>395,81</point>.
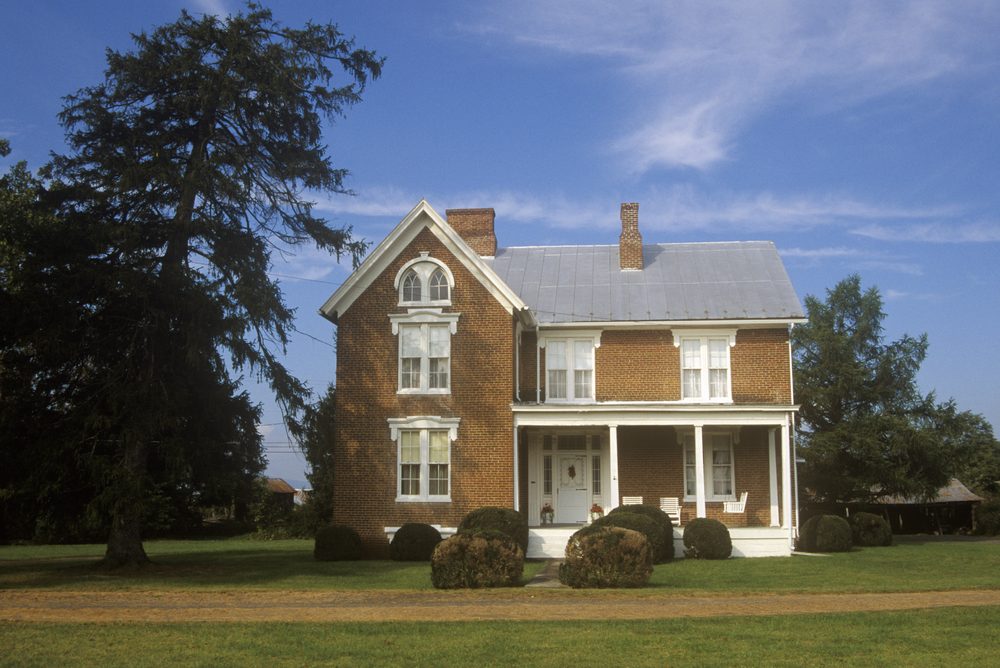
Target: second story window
<point>705,368</point>
<point>424,357</point>
<point>569,369</point>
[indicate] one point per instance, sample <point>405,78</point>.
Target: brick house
<point>470,375</point>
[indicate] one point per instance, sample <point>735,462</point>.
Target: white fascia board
<point>657,416</point>
<point>756,323</point>
<point>403,234</point>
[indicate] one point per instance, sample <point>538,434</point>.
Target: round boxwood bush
<point>825,533</point>
<point>707,539</point>
<point>475,559</point>
<point>988,518</point>
<point>660,543</point>
<point>337,542</point>
<point>414,542</point>
<point>606,556</point>
<point>662,519</point>
<point>505,520</point>
<point>870,530</point>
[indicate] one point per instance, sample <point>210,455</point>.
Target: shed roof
<point>688,281</point>
<point>953,492</point>
<point>279,486</point>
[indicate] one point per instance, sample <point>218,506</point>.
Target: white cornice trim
<point>751,323</point>
<point>422,215</point>
<point>424,315</point>
<point>423,422</point>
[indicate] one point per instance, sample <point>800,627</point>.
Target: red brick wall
<point>760,367</point>
<point>637,366</point>
<point>481,389</point>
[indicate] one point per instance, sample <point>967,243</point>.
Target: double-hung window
<point>719,478</point>
<point>424,350</point>
<point>424,357</point>
<point>423,470</point>
<point>569,369</point>
<point>705,368</point>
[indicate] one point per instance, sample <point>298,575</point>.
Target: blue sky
<point>859,137</point>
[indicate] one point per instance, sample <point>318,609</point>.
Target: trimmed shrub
<point>870,530</point>
<point>662,519</point>
<point>707,539</point>
<point>475,559</point>
<point>504,520</point>
<point>414,542</point>
<point>337,542</point>
<point>988,518</point>
<point>606,556</point>
<point>661,545</point>
<point>825,533</point>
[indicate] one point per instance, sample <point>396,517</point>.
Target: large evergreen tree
<point>189,166</point>
<point>865,428</point>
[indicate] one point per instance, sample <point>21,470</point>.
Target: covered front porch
<point>728,463</point>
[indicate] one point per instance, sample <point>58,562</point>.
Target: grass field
<point>244,564</point>
<point>943,636</point>
<point>950,636</point>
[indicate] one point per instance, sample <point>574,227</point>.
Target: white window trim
<point>424,266</point>
<point>424,424</point>
<point>425,316</point>
<point>688,439</point>
<point>569,337</point>
<point>703,335</point>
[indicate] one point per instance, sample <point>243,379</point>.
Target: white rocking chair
<point>735,506</point>
<point>671,505</point>
<point>631,500</point>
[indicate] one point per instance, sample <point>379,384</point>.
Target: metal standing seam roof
<point>689,281</point>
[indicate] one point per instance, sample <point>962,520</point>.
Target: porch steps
<point>549,542</point>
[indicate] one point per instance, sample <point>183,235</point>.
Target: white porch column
<point>772,467</point>
<point>699,470</point>
<point>612,501</point>
<point>786,477</point>
<point>517,472</point>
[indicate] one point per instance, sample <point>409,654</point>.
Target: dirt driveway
<point>520,604</point>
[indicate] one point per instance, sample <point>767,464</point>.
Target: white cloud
<point>942,232</point>
<point>819,253</point>
<point>214,7</point>
<point>700,72</point>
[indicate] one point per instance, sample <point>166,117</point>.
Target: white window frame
<point>422,319</point>
<point>591,338</point>
<point>709,445</point>
<point>424,425</point>
<point>424,268</point>
<point>703,337</point>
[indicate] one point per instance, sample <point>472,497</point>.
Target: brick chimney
<point>475,226</point>
<point>630,242</point>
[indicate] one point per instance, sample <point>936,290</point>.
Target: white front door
<point>572,492</point>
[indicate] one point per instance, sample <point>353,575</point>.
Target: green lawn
<point>947,636</point>
<point>245,564</point>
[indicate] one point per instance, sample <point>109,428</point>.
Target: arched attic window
<point>425,281</point>
<point>439,286</point>
<point>410,292</point>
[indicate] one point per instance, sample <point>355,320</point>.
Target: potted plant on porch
<point>548,513</point>
<point>596,512</point>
